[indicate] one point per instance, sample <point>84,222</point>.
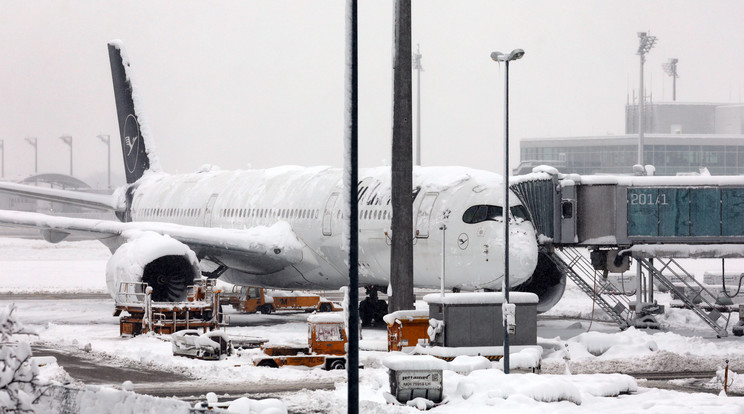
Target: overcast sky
<point>243,84</point>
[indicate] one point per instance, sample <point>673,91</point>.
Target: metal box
<point>475,319</point>
<point>406,385</point>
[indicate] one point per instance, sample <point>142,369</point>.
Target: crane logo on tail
<point>132,142</point>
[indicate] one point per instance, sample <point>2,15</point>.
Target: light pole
<point>500,57</point>
<point>106,139</point>
<point>443,227</point>
<point>2,148</point>
<point>419,69</point>
<point>646,42</point>
<point>33,142</point>
<point>670,68</point>
<point>68,140</point>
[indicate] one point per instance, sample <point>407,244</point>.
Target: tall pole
<point>500,57</point>
<point>444,251</point>
<point>640,115</point>
<point>68,140</point>
<point>106,139</point>
<point>419,68</point>
<point>33,142</point>
<point>2,148</point>
<point>352,135</point>
<point>506,212</point>
<point>671,69</point>
<point>401,261</point>
<point>646,42</point>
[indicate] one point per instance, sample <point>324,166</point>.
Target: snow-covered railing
<point>131,293</point>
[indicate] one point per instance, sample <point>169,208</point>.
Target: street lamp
<point>2,148</point>
<point>68,140</point>
<point>106,139</point>
<point>646,42</point>
<point>670,68</point>
<point>33,142</point>
<point>500,57</point>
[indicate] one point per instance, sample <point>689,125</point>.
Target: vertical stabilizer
<point>136,144</point>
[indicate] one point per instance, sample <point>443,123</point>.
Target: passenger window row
<point>285,213</point>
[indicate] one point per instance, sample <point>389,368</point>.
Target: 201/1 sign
<point>645,199</point>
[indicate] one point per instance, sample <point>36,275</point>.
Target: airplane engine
<point>165,264</point>
<point>547,282</point>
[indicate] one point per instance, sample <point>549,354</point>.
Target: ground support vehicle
<point>250,299</point>
<point>209,346</point>
<point>406,329</point>
<point>140,314</point>
<point>326,346</point>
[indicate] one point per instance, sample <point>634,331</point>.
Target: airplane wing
<point>78,198</point>
<point>257,250</point>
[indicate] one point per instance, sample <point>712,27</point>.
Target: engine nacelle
<point>165,264</point>
<point>547,282</point>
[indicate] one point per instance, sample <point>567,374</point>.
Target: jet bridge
<point>654,220</point>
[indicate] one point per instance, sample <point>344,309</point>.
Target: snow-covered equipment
<point>406,329</point>
<point>209,346</point>
<point>471,324</point>
<point>140,314</point>
<point>416,376</point>
<point>250,299</point>
<point>326,346</point>
<point>475,319</point>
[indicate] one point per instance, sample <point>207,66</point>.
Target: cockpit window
<point>483,212</point>
<point>520,212</point>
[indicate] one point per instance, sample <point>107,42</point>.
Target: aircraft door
<point>423,217</point>
<point>328,214</point>
<point>208,210</point>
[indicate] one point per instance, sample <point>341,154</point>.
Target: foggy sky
<point>243,84</point>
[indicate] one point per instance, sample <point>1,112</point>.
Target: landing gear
<point>372,309</point>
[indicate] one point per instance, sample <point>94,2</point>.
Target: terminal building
<point>679,138</point>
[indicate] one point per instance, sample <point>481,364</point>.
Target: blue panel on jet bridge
<point>674,212</point>
<point>732,212</point>
<point>643,212</point>
<point>705,216</point>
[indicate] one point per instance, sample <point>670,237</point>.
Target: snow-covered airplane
<point>283,227</point>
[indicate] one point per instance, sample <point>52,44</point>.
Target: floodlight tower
<point>670,68</point>
<point>646,42</point>
<point>33,142</point>
<point>419,69</point>
<point>67,139</point>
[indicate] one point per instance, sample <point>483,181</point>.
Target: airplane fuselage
<point>311,201</point>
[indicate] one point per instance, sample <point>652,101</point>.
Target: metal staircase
<point>577,267</point>
<point>693,302</point>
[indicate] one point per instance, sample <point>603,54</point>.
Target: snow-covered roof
<point>414,362</point>
<point>482,298</point>
<point>326,317</point>
<point>404,315</point>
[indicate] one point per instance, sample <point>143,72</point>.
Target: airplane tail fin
<point>136,142</point>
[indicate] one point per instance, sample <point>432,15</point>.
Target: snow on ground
<point>686,343</point>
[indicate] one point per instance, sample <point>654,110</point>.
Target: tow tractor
<point>255,299</point>
<point>326,346</point>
